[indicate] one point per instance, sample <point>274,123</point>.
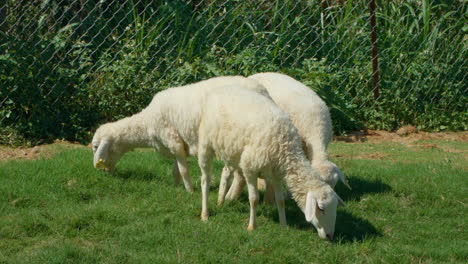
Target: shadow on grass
<point>348,228</point>
<point>360,187</point>
<point>139,175</point>
<point>163,178</point>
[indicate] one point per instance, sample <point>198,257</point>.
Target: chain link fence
<point>66,66</point>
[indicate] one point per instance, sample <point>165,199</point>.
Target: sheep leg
<point>205,158</point>
<point>270,193</point>
<point>183,170</point>
<point>176,173</point>
<point>261,184</point>
<point>279,197</point>
<point>253,199</point>
<point>236,187</point>
<point>226,175</point>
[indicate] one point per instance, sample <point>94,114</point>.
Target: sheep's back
<point>307,110</point>
<point>235,120</point>
<point>182,107</point>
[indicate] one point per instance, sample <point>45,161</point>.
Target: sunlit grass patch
<point>406,206</point>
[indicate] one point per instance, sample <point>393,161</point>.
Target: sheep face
<point>320,210</point>
<point>106,154</point>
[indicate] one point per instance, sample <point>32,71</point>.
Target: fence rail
<point>66,66</point>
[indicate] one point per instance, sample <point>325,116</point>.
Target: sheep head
<point>320,210</point>
<point>105,149</point>
<point>330,173</point>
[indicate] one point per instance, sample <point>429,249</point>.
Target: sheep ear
<point>340,201</point>
<point>102,151</point>
<point>310,207</point>
<point>343,179</point>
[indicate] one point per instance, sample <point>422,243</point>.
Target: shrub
<point>66,67</point>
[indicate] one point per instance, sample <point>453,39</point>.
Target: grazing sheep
<point>154,128</point>
<point>263,141</point>
<point>204,119</point>
<point>309,113</point>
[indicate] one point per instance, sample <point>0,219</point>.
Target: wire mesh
<point>66,66</point>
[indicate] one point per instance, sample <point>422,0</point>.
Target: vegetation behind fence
<point>67,66</point>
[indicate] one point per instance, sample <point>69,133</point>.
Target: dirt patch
<point>369,156</point>
<point>406,130</point>
<point>41,151</point>
<point>377,136</point>
<point>434,146</point>
<point>372,156</point>
<point>20,153</point>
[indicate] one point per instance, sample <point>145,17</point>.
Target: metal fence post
<point>375,63</point>
<point>3,17</point>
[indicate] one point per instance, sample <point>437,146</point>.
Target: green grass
<point>407,207</point>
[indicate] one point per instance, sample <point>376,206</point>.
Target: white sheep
<point>149,129</point>
<point>205,120</point>
<point>309,113</point>
<point>263,141</point>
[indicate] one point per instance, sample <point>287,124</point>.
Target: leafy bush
<point>36,82</point>
<point>67,66</point>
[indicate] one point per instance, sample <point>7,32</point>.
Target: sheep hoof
<point>251,228</point>
<point>220,203</point>
<point>228,197</point>
<point>347,185</point>
<point>204,217</point>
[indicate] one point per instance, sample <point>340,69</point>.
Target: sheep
<point>112,140</point>
<point>263,141</point>
<point>309,113</point>
<point>204,120</point>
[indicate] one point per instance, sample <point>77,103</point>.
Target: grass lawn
<point>408,205</point>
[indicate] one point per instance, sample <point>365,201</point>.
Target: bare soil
<point>368,156</point>
<point>41,151</point>
<point>378,136</point>
<point>409,137</point>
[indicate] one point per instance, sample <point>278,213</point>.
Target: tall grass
<point>118,54</point>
